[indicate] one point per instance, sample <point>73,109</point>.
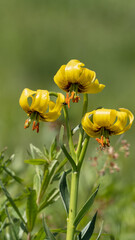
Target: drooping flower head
<point>41,108</point>
<point>74,78</point>
<point>104,122</point>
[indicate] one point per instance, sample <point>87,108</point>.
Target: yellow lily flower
<point>104,122</point>
<point>74,78</point>
<point>40,108</point>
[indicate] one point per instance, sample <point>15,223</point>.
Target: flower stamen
<point>73,96</point>
<point>103,141</point>
<point>35,126</point>
<point>27,123</point>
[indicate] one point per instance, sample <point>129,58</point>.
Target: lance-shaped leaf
<point>85,208</point>
<point>64,191</point>
<point>52,150</point>
<point>31,209</point>
<point>11,201</point>
<point>47,178</point>
<point>98,237</point>
<point>40,235</point>
<point>12,174</point>
<point>67,155</point>
<point>11,225</point>
<point>36,151</point>
<point>87,231</point>
<point>49,235</point>
<point>36,161</point>
<point>50,198</point>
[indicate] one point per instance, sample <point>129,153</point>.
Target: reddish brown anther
<point>76,99</point>
<point>103,141</point>
<point>26,124</point>
<point>100,141</point>
<point>73,97</point>
<point>35,126</point>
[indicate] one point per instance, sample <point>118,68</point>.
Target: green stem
<point>73,205</point>
<point>78,157</point>
<point>83,152</point>
<point>53,94</point>
<point>85,105</point>
<point>69,134</point>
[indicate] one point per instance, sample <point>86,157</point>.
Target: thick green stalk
<point>85,105</point>
<point>73,205</point>
<point>83,151</point>
<point>69,134</point>
<point>76,156</point>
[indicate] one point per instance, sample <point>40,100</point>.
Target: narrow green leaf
<point>87,231</point>
<point>36,151</point>
<point>49,235</point>
<point>12,225</point>
<point>50,198</point>
<point>47,178</point>
<point>61,165</point>
<point>98,237</point>
<point>69,157</point>
<point>85,208</point>
<point>58,153</point>
<point>31,209</point>
<point>52,169</point>
<point>12,174</point>
<point>40,235</point>
<point>44,184</point>
<point>46,153</point>
<point>36,161</point>
<point>52,151</point>
<point>37,182</point>
<point>11,201</point>
<point>64,191</point>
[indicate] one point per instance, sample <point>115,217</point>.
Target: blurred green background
<point>36,38</point>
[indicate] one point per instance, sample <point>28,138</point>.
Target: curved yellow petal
<point>54,109</point>
<point>23,101</point>
<point>122,124</point>
<point>73,71</point>
<point>117,122</point>
<point>91,129</point>
<point>94,87</point>
<point>40,101</point>
<point>86,79</point>
<point>104,117</point>
<point>61,80</point>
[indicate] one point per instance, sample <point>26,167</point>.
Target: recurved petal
<point>40,101</point>
<point>86,79</point>
<point>60,78</point>
<point>104,117</point>
<point>124,121</point>
<point>54,109</point>
<point>94,87</point>
<point>23,101</point>
<point>91,129</point>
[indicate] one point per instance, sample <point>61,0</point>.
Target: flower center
<point>34,116</point>
<point>72,94</point>
<point>104,139</point>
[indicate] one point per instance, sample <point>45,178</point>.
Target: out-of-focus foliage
<point>36,38</point>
